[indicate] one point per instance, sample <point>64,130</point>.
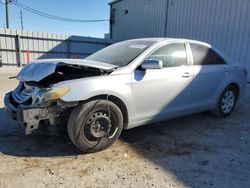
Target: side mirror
<point>152,64</point>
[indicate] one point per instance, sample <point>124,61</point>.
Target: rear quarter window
<point>203,55</point>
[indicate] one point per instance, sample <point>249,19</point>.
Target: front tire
<point>227,102</point>
<point>96,125</point>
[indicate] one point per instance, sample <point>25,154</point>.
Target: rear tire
<point>94,126</point>
<point>226,103</point>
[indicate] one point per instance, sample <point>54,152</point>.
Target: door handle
<point>225,70</point>
<point>186,75</point>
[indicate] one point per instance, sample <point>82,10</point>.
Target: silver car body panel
<point>155,95</point>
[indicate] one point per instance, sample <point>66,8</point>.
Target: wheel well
<point>116,101</point>
<point>236,87</point>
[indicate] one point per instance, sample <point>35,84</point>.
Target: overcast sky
<point>79,9</point>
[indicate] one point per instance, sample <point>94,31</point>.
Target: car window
<point>203,55</point>
<point>172,55</point>
<point>122,53</point>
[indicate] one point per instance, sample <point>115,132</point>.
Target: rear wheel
<point>95,125</point>
<point>227,102</point>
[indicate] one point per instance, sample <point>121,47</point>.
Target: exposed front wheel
<point>95,125</point>
<point>226,102</point>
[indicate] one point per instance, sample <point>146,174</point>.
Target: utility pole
<point>21,15</point>
<point>7,13</point>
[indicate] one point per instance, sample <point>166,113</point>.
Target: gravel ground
<point>194,151</point>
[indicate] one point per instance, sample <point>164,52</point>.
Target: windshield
<point>122,53</point>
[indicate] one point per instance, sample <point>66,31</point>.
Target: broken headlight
<point>55,93</point>
<point>50,94</point>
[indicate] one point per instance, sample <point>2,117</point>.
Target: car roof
<point>172,40</point>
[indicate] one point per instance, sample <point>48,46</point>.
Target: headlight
<point>55,93</point>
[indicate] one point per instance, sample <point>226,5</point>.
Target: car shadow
<point>198,150</point>
<point>14,142</point>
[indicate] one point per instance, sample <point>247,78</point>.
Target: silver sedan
<point>125,85</point>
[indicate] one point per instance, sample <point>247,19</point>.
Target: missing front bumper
<point>31,118</point>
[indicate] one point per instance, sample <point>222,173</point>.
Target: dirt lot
<point>195,151</point>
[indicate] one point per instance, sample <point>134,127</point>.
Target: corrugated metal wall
<point>15,43</point>
<point>142,19</point>
<point>222,23</point>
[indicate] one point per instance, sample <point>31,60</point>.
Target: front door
<point>162,93</point>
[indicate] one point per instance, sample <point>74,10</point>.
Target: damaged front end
<point>36,103</point>
<point>32,106</point>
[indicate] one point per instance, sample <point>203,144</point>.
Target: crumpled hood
<point>40,69</point>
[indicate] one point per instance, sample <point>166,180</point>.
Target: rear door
<point>210,71</point>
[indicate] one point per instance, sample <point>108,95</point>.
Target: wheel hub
<point>98,125</point>
<point>228,101</point>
